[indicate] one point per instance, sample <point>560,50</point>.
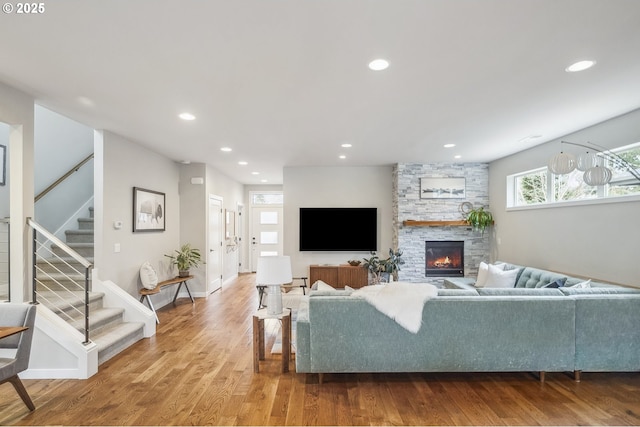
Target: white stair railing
<point>60,283</point>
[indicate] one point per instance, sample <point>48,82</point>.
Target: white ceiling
<point>285,82</point>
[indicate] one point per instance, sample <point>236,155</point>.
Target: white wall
<point>335,187</point>
<point>120,166</point>
<point>16,109</point>
<point>596,240</point>
<point>60,144</point>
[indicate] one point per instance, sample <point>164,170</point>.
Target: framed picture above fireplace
<point>442,188</point>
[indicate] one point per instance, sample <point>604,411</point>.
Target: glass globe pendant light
<point>562,164</point>
<point>597,176</point>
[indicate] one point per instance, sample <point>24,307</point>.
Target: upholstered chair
<point>12,314</point>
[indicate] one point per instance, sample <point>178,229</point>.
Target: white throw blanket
<point>403,302</point>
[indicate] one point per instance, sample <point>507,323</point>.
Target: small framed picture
<point>148,210</point>
<point>442,188</point>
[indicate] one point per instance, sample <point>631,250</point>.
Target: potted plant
<point>185,258</point>
<point>381,269</point>
<point>479,219</point>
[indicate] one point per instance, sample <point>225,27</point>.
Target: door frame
<point>208,290</point>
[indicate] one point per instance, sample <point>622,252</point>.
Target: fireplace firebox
<point>444,258</point>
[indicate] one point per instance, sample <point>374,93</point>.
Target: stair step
<point>61,265</point>
<point>85,223</point>
<point>99,319</point>
<point>79,236</point>
<point>70,304</point>
<point>83,249</point>
<point>111,341</point>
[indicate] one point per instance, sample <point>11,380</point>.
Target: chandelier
<point>592,163</point>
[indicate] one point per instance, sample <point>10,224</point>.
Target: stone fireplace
<point>444,258</point>
<point>409,205</point>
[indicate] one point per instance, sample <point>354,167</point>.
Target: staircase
<point>58,291</point>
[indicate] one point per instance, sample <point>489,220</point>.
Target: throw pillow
<point>497,278</point>
<point>319,285</point>
<point>148,276</point>
<point>483,273</point>
<point>581,285</point>
<point>559,283</point>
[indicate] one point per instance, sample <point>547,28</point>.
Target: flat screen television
<point>338,229</point>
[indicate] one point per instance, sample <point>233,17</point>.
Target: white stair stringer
<point>57,350</point>
<point>115,296</point>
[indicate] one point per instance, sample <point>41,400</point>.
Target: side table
<point>259,342</point>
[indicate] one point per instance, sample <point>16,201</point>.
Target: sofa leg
<point>320,378</point>
<point>576,376</point>
<point>542,376</point>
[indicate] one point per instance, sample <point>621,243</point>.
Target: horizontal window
<point>540,187</point>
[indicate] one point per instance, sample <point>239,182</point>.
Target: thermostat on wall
<point>117,225</point>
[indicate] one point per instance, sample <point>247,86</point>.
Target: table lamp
<point>273,271</point>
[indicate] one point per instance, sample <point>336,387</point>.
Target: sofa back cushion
<point>520,292</point>
<point>536,278</point>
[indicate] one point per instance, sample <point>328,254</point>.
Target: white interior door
<point>266,232</point>
<point>214,258</point>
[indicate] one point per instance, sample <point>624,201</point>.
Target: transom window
<point>540,187</point>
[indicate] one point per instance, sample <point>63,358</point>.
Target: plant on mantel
<point>479,219</point>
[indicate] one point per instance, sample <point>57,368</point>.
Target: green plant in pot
<point>479,219</point>
<point>379,268</point>
<point>185,258</point>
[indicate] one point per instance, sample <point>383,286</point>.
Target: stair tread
<point>87,232</point>
<point>98,316</point>
<point>112,335</point>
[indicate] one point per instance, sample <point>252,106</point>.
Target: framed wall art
<point>442,188</point>
<point>148,210</point>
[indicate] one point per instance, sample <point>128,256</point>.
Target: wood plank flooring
<point>198,370</point>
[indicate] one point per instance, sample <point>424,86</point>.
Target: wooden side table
<point>259,342</point>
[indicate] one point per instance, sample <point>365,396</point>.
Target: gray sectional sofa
<point>475,330</point>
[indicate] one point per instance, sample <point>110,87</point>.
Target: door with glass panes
<point>266,231</point>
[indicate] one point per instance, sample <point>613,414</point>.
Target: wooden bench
<point>145,293</point>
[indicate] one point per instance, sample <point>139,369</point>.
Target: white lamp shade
<point>586,161</point>
<point>562,164</point>
<point>597,176</point>
<point>273,270</point>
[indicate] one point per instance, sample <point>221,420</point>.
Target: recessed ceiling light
<point>255,173</point>
<point>242,163</point>
<point>185,162</point>
<point>263,180</point>
<point>346,145</point>
<point>342,156</point>
<point>580,66</point>
<point>225,149</point>
<point>378,64</point>
<point>449,145</point>
<point>457,156</point>
<point>187,116</point>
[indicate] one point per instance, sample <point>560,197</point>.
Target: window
<point>267,198</point>
<point>540,187</point>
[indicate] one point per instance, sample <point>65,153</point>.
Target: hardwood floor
<point>197,370</point>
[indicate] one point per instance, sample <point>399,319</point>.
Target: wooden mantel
<point>412,223</point>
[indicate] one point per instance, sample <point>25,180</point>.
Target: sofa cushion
<point>536,278</point>
<point>457,292</point>
<point>483,273</point>
<point>519,292</point>
<point>498,278</point>
<point>599,291</point>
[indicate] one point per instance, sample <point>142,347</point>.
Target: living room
<point>594,238</point>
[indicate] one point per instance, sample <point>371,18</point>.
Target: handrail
<point>37,228</point>
<point>60,243</point>
<point>63,177</point>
